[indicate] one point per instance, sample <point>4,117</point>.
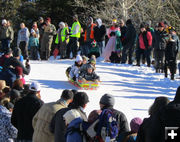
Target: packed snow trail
<point>134,88</point>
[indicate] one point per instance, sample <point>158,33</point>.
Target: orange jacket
<point>92,32</point>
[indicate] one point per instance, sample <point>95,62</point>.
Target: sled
<point>88,85</point>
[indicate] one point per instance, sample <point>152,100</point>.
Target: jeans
<point>86,48</point>
<point>5,44</point>
<point>101,46</point>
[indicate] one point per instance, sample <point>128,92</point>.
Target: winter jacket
<point>33,42</point>
<point>74,71</point>
<point>42,120</point>
<point>123,33</point>
<point>6,32</point>
<point>84,67</point>
<point>177,41</point>
<point>144,40</point>
<point>23,35</point>
<point>89,77</point>
<point>7,130</point>
<point>130,36</point>
<point>121,118</point>
<point>160,40</point>
<point>99,33</point>
<point>23,113</point>
<point>171,51</point>
<point>50,31</point>
<point>59,122</point>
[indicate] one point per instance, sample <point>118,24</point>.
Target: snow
<point>134,88</point>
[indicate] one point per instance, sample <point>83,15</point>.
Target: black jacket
<point>13,62</point>
<point>160,40</point>
<point>99,33</point>
<point>123,33</point>
<point>23,113</point>
<point>130,36</point>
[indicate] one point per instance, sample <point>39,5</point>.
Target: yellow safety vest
<point>63,34</point>
<point>78,35</point>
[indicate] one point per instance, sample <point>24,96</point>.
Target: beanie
<point>142,25</point>
<point>62,23</point>
<point>17,52</point>
<point>78,58</point>
<point>129,22</point>
<point>107,100</point>
<point>4,21</point>
<point>135,124</point>
<point>161,24</point>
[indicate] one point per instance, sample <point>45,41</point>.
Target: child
<point>115,56</point>
<point>74,72</point>
<point>33,45</point>
<point>89,75</point>
<point>94,50</point>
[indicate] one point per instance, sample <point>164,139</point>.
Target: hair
<point>159,103</point>
<point>74,91</point>
<point>18,84</point>
<point>67,95</point>
<point>80,99</point>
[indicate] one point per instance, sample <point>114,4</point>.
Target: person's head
<point>161,26</point>
<point>166,24</point>
<point>67,95</point>
<point>41,20</point>
<point>90,69</point>
<point>8,23</point>
<point>172,30</point>
<point>159,103</point>
<point>7,104</point>
<point>79,59</point>
<point>74,91</point>
<point>143,27</point>
<point>15,95</point>
<point>33,33</point>
<point>107,101</point>
<point>92,61</point>
<point>114,22</point>
<point>2,84</point>
<point>61,25</point>
<point>98,22</point>
<point>75,17</point>
<point>129,22</point>
<point>93,43</point>
<point>9,52</point>
<point>94,115</point>
<point>177,97</point>
<point>80,100</point>
<point>17,53</point>
<point>135,124</point>
<point>35,88</point>
<point>90,20</point>
<point>4,22</point>
<point>148,24</point>
<point>85,59</point>
<point>121,23</point>
<point>48,21</point>
<point>18,84</point>
<point>22,25</point>
<point>34,26</point>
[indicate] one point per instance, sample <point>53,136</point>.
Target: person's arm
<point>18,40</point>
<point>149,38</point>
<point>11,33</point>
<point>123,123</point>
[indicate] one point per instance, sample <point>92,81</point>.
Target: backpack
<point>107,129</point>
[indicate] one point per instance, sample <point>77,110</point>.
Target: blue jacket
<point>7,130</point>
<point>33,42</point>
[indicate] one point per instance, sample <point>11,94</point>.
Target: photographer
<point>13,69</point>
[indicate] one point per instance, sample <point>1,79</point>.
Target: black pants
<point>24,49</point>
<point>159,60</point>
<point>72,47</point>
<point>146,53</point>
<point>127,52</point>
<point>34,52</point>
<point>171,65</point>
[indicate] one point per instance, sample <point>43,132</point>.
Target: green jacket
<point>6,33</point>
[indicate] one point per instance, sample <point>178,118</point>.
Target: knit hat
<point>41,18</point>
<point>135,124</point>
<point>107,100</point>
<point>142,25</point>
<point>85,58</point>
<point>4,21</point>
<point>17,52</point>
<point>129,22</point>
<point>89,66</point>
<point>161,24</point>
<point>48,19</point>
<point>62,23</point>
<point>75,16</point>
<point>78,58</point>
<point>99,21</point>
<point>35,87</point>
<point>93,43</point>
<point>80,99</point>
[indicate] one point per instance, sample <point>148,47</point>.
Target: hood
<point>99,21</point>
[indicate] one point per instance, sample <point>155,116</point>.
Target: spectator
<point>150,130</point>
<point>42,119</point>
<point>24,111</point>
<point>64,116</point>
<point>23,39</point>
<point>123,30</point>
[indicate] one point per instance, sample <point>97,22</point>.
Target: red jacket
<point>145,40</point>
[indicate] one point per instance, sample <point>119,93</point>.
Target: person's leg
<point>124,54</point>
<point>74,47</point>
<point>166,68</point>
<point>130,53</point>
<point>68,48</point>
<point>148,58</point>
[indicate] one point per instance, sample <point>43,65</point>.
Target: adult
<point>23,40</point>
<point>107,101</point>
<point>42,119</point>
<point>88,36</point>
<point>129,42</point>
<point>144,44</point>
<point>150,130</point>
<point>99,35</point>
<point>8,131</point>
<point>114,42</point>
<point>64,116</point>
<point>75,34</point>
<point>6,35</point>
<point>13,68</point>
<point>7,54</point>
<point>161,37</point>
<point>62,39</point>
<point>123,29</point>
<point>41,25</point>
<point>24,111</point>
<point>47,39</point>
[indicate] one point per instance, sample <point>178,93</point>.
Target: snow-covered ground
<point>134,88</point>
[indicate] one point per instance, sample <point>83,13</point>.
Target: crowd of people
<point>26,118</point>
